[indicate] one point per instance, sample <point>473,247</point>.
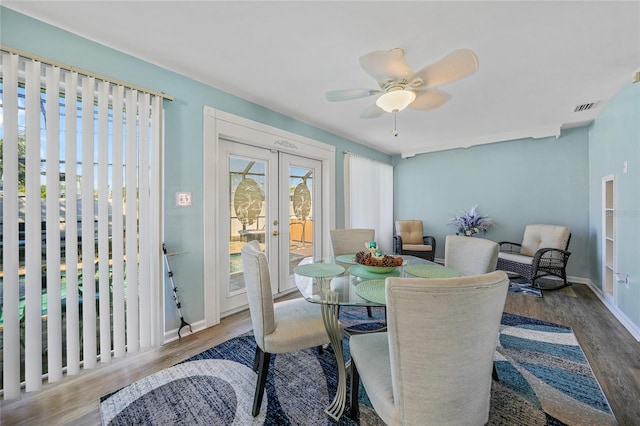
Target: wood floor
<point>613,353</point>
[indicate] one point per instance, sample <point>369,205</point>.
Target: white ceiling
<point>538,60</point>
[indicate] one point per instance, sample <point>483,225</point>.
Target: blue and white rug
<point>524,287</point>
<point>545,379</point>
<point>543,364</point>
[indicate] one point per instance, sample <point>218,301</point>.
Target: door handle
<point>275,233</point>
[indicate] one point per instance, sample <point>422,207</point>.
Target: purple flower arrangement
<point>471,222</point>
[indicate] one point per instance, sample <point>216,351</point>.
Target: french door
<point>270,197</point>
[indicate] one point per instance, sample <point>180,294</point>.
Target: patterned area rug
<point>517,284</point>
<point>524,287</point>
<point>544,380</point>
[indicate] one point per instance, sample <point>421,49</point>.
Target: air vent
<point>585,107</point>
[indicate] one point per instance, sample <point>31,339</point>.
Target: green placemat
<point>361,272</point>
<point>373,291</point>
<point>346,258</point>
<point>319,270</point>
<point>428,270</point>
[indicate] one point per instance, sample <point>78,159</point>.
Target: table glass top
<point>316,277</point>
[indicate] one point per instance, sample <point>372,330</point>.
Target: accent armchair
<point>410,240</point>
<point>434,365</point>
<point>282,327</point>
<point>543,252</point>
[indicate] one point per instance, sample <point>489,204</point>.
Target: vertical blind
<point>367,208</point>
<point>80,226</point>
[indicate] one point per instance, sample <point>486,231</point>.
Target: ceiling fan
<point>401,87</point>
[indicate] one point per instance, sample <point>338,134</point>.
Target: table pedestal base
<point>334,330</point>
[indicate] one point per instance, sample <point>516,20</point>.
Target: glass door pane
<point>300,214</point>
<point>300,210</point>
<point>247,213</point>
<point>248,190</point>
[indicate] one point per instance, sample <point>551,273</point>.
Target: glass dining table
<point>338,282</point>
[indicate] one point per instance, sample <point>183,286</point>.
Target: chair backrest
<point>544,236</point>
<point>410,231</point>
<point>258,285</point>
<point>470,255</point>
<point>350,241</point>
<point>442,339</point>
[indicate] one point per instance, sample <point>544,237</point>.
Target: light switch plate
<point>183,199</point>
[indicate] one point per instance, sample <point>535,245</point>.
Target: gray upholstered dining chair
<point>470,255</point>
<point>280,327</point>
<point>434,365</point>
<point>348,241</point>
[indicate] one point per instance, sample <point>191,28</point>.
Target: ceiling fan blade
<point>374,111</point>
<point>456,65</point>
<point>349,94</point>
<point>430,99</point>
<point>386,65</point>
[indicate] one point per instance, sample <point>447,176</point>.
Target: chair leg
<point>263,370</point>
<point>494,374</point>
<point>369,311</point>
<point>256,358</point>
<point>355,382</point>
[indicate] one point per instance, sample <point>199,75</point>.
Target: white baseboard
<point>579,280</point>
<point>171,335</point>
<point>620,316</point>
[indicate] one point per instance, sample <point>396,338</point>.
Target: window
<point>80,214</point>
<point>367,208</point>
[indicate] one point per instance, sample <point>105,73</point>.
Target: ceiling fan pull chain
<point>394,132</point>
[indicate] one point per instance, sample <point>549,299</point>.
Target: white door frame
<point>219,124</point>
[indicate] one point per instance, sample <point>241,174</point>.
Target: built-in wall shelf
<point>608,237</point>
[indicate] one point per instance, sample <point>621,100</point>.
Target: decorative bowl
<point>379,269</point>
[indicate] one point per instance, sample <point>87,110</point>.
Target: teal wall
<point>183,138</point>
<point>614,138</point>
<point>516,183</point>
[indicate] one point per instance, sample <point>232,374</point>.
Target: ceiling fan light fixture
<point>395,101</point>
